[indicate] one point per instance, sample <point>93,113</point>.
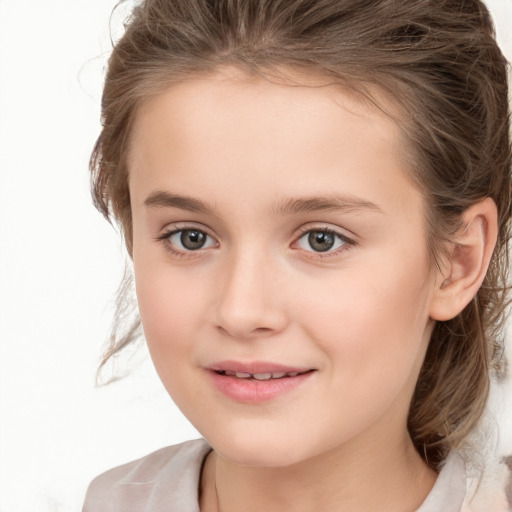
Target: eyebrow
<point>330,202</point>
<point>289,206</point>
<point>161,199</point>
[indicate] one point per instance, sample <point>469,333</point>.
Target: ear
<point>464,269</point>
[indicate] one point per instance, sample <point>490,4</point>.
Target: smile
<point>259,376</point>
<point>254,383</point>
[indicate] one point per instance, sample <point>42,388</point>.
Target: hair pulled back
<point>437,59</point>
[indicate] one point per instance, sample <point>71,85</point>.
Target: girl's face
<point>276,233</point>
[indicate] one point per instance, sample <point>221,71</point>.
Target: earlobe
<point>465,267</point>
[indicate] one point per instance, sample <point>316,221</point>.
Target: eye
<point>187,240</point>
<point>322,240</point>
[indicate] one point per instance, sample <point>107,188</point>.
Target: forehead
<point>302,92</point>
<point>229,126</point>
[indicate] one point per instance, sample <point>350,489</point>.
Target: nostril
<point>222,330</point>
<point>257,331</point>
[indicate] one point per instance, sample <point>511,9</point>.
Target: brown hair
<point>438,59</point>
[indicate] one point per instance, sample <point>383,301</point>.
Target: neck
<point>359,477</point>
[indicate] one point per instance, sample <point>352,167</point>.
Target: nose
<point>250,302</point>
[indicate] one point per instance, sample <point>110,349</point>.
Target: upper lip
<point>256,367</point>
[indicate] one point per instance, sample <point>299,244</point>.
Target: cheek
<point>375,323</point>
<point>171,316</point>
<point>170,311</point>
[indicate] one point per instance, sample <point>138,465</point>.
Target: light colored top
<point>168,481</point>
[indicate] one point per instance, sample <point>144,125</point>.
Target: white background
<point>60,264</point>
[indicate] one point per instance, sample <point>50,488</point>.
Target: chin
<point>260,449</point>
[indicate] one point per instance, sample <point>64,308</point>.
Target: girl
<point>316,196</point>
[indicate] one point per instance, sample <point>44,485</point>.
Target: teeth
<point>262,376</point>
<point>259,376</point>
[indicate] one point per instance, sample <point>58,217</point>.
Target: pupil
<point>193,239</point>
<point>321,241</point>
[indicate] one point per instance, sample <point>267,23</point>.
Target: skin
<point>360,315</point>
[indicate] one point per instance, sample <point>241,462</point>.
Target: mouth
<point>257,382</point>
<point>261,376</point>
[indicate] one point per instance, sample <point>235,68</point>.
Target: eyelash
<point>347,243</point>
<point>165,239</point>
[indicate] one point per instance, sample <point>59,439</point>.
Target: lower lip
<point>252,391</point>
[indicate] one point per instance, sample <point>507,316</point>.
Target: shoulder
<point>449,491</point>
<point>169,475</point>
